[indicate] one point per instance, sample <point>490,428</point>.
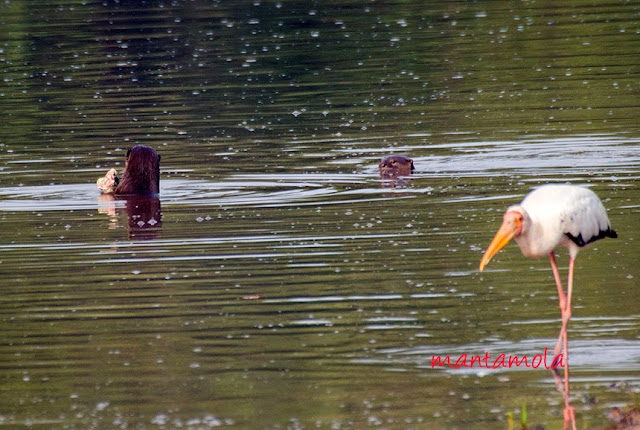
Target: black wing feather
<point>579,240</point>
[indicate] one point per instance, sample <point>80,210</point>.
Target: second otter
<point>141,174</point>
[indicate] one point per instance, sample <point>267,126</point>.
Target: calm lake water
<point>277,282</point>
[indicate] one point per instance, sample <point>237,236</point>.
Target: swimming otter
<point>141,174</point>
<point>393,166</point>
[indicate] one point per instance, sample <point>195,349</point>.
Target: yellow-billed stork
<point>548,217</point>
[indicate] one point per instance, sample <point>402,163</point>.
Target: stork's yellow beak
<point>509,228</point>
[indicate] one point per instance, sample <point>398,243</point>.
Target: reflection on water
<point>144,216</point>
<point>276,282</point>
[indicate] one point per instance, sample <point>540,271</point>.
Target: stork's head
<point>513,223</point>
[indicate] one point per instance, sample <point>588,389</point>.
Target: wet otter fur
<point>393,166</point>
<point>141,172</point>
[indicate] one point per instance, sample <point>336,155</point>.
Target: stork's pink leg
<point>569,417</point>
<point>566,315</point>
<point>569,411</point>
<point>563,342</point>
<point>556,275</point>
<point>562,299</point>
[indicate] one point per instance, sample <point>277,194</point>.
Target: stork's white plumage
<point>552,216</point>
<point>548,217</point>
